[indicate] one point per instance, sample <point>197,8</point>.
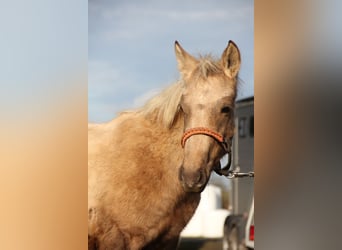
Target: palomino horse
<point>148,167</point>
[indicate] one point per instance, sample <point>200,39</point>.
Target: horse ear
<point>231,60</point>
<point>186,62</point>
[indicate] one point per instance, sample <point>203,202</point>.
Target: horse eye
<point>182,109</point>
<point>225,110</point>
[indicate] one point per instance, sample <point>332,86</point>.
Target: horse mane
<point>165,107</point>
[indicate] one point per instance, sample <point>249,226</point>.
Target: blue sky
<point>131,46</point>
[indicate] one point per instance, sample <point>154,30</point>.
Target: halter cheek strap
<point>218,137</point>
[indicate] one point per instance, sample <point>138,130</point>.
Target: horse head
<point>207,104</point>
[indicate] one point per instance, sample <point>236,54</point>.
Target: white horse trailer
<point>238,234</point>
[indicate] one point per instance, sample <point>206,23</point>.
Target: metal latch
<point>237,174</point>
<point>233,174</point>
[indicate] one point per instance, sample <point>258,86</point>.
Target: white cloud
<point>144,97</point>
<point>111,91</point>
<point>101,72</point>
<point>177,10</point>
<point>135,20</point>
<point>106,79</point>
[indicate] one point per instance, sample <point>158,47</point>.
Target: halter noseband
<point>218,137</point>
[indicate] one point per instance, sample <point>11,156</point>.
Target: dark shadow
<point>200,244</point>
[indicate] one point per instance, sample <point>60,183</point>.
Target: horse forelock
<point>207,66</point>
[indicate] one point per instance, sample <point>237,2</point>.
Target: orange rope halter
<point>201,131</point>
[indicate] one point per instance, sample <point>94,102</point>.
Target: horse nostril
<point>198,176</point>
<point>193,178</point>
<point>192,181</point>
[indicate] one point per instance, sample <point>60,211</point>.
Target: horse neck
<point>171,140</point>
<point>168,143</point>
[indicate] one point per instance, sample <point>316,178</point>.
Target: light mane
<point>165,107</point>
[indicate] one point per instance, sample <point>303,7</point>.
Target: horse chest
<point>185,209</point>
<point>165,233</point>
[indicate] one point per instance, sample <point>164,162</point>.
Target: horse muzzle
<point>192,181</point>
